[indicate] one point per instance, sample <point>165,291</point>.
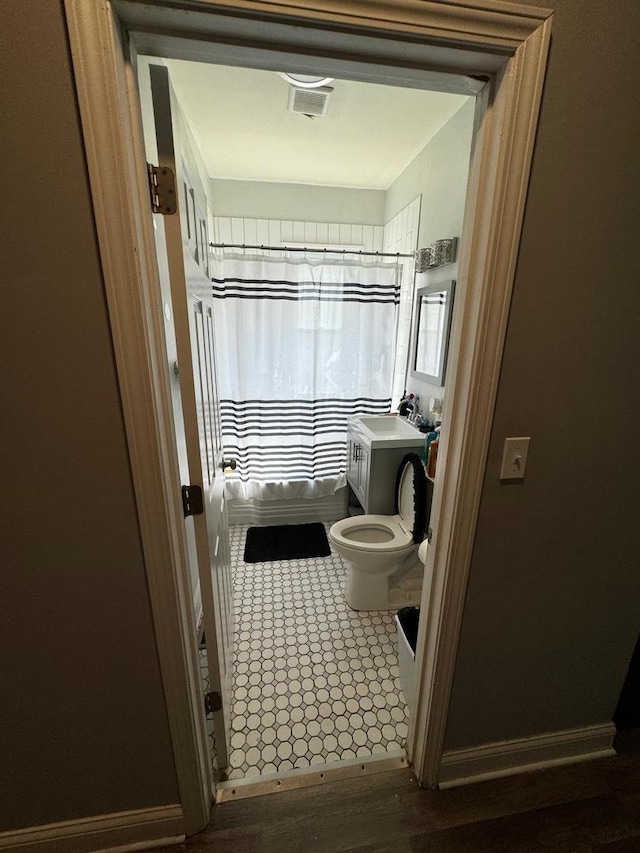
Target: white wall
<point>439,173</point>
<point>300,202</point>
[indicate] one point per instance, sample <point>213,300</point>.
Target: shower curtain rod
<point>311,249</point>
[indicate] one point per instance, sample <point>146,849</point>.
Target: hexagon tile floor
<point>314,681</point>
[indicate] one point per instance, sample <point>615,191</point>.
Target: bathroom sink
<point>388,425</point>
<point>387,431</point>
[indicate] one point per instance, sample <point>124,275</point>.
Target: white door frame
<point>458,45</point>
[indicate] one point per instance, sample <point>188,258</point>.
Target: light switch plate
<point>514,458</point>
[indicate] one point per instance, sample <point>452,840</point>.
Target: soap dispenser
<point>432,436</point>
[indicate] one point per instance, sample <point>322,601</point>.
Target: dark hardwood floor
<point>593,807</point>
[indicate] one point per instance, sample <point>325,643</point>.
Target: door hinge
<point>212,702</point>
<point>162,189</point>
<point>192,500</point>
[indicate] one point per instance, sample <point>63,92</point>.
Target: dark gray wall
<point>83,729</point>
<point>554,598</point>
<point>553,609</point>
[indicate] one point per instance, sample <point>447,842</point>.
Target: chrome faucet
<point>413,413</point>
<point>408,407</point>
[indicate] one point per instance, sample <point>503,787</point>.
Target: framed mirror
<point>433,309</point>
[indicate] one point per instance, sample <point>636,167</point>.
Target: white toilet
<point>385,572</point>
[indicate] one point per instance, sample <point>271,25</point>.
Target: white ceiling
<point>240,120</point>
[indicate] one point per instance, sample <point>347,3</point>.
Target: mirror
<point>433,309</point>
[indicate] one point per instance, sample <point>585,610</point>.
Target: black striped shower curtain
<point>301,346</point>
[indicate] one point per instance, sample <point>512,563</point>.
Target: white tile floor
<point>314,681</point>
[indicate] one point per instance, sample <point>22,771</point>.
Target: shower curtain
<point>302,345</point>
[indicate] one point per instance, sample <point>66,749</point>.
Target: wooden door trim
<point>116,159</point>
<point>513,41</point>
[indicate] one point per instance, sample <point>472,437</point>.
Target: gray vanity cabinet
<point>358,457</point>
<point>372,472</point>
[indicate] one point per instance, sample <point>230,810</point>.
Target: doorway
<point>504,48</point>
<point>314,683</point>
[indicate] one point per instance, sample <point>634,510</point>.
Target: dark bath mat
<point>286,542</point>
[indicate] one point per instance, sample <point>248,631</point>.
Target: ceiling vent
<point>309,102</point>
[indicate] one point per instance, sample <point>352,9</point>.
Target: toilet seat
<point>345,532</point>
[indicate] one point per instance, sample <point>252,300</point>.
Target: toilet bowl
<point>385,572</point>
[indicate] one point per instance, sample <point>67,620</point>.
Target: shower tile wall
<point>280,232</point>
<point>401,235</point>
<point>314,681</point>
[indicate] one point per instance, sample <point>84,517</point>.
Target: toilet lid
<point>411,495</point>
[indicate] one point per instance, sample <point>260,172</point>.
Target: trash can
<point>407,621</point>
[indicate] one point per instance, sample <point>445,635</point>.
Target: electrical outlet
<point>514,458</point>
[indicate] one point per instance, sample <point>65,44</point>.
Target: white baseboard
<point>507,758</point>
<point>299,511</point>
<point>142,829</point>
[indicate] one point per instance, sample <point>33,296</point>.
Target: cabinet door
<point>352,475</point>
<point>363,476</point>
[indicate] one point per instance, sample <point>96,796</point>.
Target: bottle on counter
<point>429,439</point>
<point>433,458</point>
